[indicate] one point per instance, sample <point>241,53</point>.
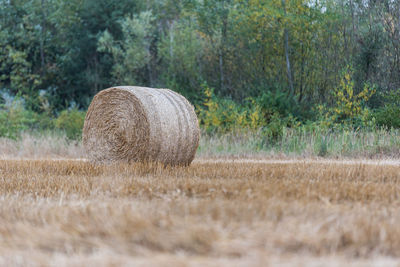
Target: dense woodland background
<point>243,63</point>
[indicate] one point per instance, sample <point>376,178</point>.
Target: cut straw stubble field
<point>69,212</point>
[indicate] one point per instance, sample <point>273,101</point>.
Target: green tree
<point>131,56</point>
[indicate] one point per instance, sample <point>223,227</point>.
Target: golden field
<point>213,213</point>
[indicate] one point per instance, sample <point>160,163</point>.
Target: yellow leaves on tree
<point>223,115</point>
<point>348,104</point>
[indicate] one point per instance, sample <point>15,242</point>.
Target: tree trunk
<point>353,32</point>
<point>221,71</point>
<point>224,29</point>
<point>171,39</point>
<point>286,41</point>
<point>301,73</point>
<point>148,65</point>
<point>42,33</point>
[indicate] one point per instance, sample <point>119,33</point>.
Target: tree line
<point>56,54</point>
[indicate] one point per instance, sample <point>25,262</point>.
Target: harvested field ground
<point>213,213</point>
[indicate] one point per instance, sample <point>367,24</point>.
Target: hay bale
<point>129,123</point>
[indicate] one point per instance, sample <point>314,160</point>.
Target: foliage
<point>73,49</point>
<point>15,119</point>
<point>182,51</point>
<point>349,107</point>
<point>55,54</point>
<point>280,102</point>
<point>349,104</point>
<point>222,115</point>
<point>277,125</point>
<point>131,56</point>
<point>388,115</point>
<point>71,122</point>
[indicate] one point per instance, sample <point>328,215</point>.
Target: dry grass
<point>376,145</point>
<point>40,146</point>
<point>72,213</point>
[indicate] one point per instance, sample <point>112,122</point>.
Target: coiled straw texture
<point>129,123</point>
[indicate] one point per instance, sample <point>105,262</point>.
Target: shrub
<point>388,115</point>
<point>349,107</point>
<point>14,119</point>
<point>71,122</point>
<point>277,125</point>
<point>224,115</point>
<point>268,114</point>
<point>273,102</point>
<point>348,104</point>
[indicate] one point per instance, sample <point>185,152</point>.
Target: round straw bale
<point>127,123</point>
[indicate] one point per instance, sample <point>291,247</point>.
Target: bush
<point>224,115</point>
<point>350,108</point>
<point>268,113</point>
<point>273,102</point>
<point>71,123</point>
<point>277,125</point>
<point>388,115</point>
<point>15,119</point>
